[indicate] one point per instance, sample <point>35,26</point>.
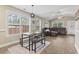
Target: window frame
<point>57,24</point>
<point>19,15</point>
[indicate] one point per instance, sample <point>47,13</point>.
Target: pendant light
<point>32,14</point>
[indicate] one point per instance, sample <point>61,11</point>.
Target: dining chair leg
<point>41,41</point>
<point>35,47</point>
<point>32,46</point>
<point>44,41</point>
<point>29,43</point>
<point>21,42</point>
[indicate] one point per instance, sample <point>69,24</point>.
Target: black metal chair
<point>30,37</point>
<point>22,39</point>
<point>40,37</point>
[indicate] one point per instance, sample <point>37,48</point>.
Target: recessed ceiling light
<point>24,9</point>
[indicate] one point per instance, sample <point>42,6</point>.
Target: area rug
<point>21,50</point>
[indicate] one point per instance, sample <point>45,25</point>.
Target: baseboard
<point>77,48</point>
<point>10,43</point>
<point>71,34</point>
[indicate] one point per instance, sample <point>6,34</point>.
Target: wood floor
<point>58,45</point>
<point>61,45</point>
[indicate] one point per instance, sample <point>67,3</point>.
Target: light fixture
<point>60,17</point>
<point>32,14</point>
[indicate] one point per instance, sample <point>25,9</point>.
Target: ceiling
<point>50,11</point>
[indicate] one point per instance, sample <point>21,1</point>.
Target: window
<point>24,25</point>
<point>33,25</point>
<point>13,24</point>
<point>55,25</point>
<point>58,24</point>
<point>36,25</point>
<point>17,24</point>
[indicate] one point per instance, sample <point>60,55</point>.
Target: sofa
<point>54,31</point>
<point>61,31</point>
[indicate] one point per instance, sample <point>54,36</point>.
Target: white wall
<point>4,39</point>
<point>70,27</point>
<point>77,36</point>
